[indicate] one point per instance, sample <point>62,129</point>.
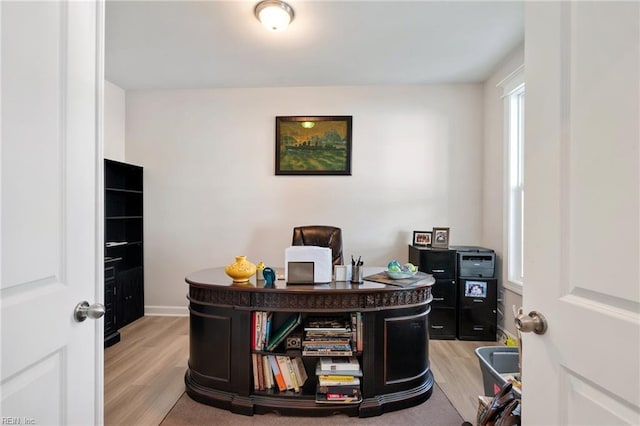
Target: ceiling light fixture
<point>275,15</point>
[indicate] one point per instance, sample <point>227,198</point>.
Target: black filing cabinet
<point>111,333</point>
<point>477,313</point>
<point>477,294</point>
<point>441,263</point>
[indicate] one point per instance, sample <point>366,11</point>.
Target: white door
<point>51,365</point>
<point>582,213</point>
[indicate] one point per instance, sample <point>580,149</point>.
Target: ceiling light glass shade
<point>275,15</point>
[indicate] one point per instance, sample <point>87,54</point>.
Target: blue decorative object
<point>269,277</point>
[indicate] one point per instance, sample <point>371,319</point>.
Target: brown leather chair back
<point>321,236</point>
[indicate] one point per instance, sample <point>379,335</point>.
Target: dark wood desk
<point>394,359</point>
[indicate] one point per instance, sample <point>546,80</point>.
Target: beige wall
<point>114,122</point>
<point>211,192</point>
<point>494,184</point>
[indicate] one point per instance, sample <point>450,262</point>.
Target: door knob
<point>534,321</point>
<point>84,310</point>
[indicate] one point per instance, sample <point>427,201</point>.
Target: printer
<point>475,262</point>
<point>308,265</point>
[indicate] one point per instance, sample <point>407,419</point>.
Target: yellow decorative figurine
<point>259,269</point>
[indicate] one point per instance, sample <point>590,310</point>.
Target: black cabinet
<point>478,307</point>
<point>111,334</point>
<point>441,263</point>
<point>463,307</point>
<point>123,236</point>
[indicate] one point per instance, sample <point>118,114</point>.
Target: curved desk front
<point>394,358</point>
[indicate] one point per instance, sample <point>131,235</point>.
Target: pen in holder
<point>356,270</point>
<point>356,274</point>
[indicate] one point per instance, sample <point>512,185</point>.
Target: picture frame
<point>475,289</point>
<point>313,145</point>
<point>422,238</point>
<point>440,238</point>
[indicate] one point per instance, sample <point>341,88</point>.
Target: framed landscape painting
<point>318,145</point>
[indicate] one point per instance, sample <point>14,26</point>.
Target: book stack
<point>327,337</point>
<point>338,380</point>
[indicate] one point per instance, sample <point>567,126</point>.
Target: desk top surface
<point>216,277</point>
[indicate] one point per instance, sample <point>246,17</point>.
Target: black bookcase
<point>124,247</point>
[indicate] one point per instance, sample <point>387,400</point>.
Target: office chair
<point>321,236</point>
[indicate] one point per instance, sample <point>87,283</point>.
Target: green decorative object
<point>240,270</point>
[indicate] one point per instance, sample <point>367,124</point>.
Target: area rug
<point>436,411</point>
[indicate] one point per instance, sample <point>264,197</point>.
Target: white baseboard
<point>166,311</point>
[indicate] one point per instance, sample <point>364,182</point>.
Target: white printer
<point>307,265</point>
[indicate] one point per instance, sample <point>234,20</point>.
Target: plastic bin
<point>494,362</point>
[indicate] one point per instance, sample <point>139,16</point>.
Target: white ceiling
<point>187,44</point>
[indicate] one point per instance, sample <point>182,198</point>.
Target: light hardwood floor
<point>144,373</point>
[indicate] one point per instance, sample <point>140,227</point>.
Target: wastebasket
<point>496,363</point>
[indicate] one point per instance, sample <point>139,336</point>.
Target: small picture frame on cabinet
<point>422,238</point>
<point>475,289</point>
<point>440,238</point>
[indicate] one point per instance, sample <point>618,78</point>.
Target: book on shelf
<point>267,329</point>
<point>356,331</point>
<point>258,338</point>
<point>339,363</point>
<point>254,363</point>
<point>326,352</point>
<point>285,371</point>
<point>341,389</point>
<point>292,373</point>
<point>320,372</point>
<point>300,371</point>
<point>277,374</point>
<point>338,380</point>
<point>309,341</point>
<point>260,372</point>
<point>327,324</point>
<point>323,398</point>
<point>285,329</point>
<point>328,344</point>
<point>359,332</point>
<point>267,372</point>
<point>327,335</point>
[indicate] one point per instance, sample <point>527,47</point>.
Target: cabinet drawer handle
<point>437,270</point>
<point>478,301</point>
<point>437,327</point>
<point>438,299</point>
<point>478,328</point>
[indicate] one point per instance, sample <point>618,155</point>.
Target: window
<point>514,95</point>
